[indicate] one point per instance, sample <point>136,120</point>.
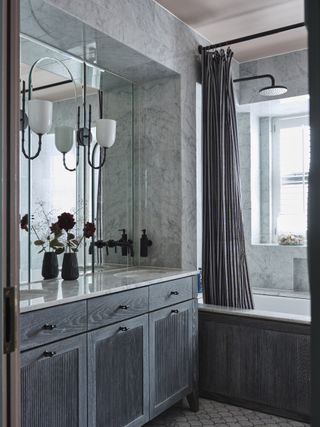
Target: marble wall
<point>157,160</point>
<point>117,174</point>
<point>270,265</point>
<point>129,37</point>
<point>265,168</point>
<point>290,70</point>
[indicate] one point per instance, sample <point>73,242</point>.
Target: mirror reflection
<point>64,103</point>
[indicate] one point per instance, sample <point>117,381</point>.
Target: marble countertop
<point>48,293</point>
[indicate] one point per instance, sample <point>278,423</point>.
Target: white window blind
<point>291,158</point>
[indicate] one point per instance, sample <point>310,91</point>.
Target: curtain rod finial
<point>200,49</point>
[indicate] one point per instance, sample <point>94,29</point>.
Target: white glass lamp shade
<point>40,115</point>
<point>63,138</point>
<point>106,132</point>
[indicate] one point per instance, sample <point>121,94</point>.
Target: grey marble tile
<point>300,274</point>
<point>117,181</point>
<point>149,30</point>
<point>217,414</point>
<point>290,70</point>
<point>157,152</point>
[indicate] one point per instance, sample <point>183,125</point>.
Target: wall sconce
<point>40,122</point>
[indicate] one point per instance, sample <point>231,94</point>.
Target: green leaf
<point>39,242</point>
<point>59,251</point>
<point>56,244</point>
<point>70,236</point>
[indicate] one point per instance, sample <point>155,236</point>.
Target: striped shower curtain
<point>224,265</point>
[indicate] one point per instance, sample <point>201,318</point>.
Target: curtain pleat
<point>224,266</point>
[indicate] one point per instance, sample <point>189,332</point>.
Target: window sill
<point>278,245</point>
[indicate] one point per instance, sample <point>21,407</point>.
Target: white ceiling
<point>221,20</point>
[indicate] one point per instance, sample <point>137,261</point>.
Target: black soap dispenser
<point>123,239</point>
<point>144,244</point>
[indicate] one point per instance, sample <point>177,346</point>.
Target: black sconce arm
<point>23,127</point>
<point>77,161</point>
<point>91,163</point>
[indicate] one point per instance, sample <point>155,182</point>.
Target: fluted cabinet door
<point>118,369</point>
<point>170,356</point>
<point>53,385</point>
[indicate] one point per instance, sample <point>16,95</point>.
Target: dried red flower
<point>66,221</point>
<point>55,228</point>
<point>24,222</point>
<point>89,229</point>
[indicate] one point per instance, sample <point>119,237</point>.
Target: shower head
<point>273,90</point>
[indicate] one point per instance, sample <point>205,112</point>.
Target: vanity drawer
<point>117,307</point>
<point>168,293</point>
<point>51,324</point>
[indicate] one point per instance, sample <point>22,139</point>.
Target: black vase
<point>70,269</point>
<point>50,269</point>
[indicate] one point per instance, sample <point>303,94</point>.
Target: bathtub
<point>282,304</point>
<point>259,359</point>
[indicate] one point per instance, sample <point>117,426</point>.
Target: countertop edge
<point>126,287</point>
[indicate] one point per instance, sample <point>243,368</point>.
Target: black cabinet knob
<point>174,311</point>
<point>123,329</point>
<point>124,307</point>
<point>174,293</point>
<point>49,353</point>
<point>49,327</point>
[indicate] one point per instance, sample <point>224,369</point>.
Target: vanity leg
<point>193,401</point>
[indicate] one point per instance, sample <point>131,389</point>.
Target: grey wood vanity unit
<point>110,360</point>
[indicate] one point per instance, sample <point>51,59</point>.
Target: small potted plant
<point>54,236</point>
<point>65,223</point>
<point>48,243</point>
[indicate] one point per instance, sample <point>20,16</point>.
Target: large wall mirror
<point>103,196</point>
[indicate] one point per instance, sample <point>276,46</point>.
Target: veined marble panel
<point>117,180</point>
<point>290,70</point>
<point>147,29</point>
<point>157,152</point>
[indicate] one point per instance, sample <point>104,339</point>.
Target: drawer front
<point>168,293</point>
<point>117,307</point>
<point>51,324</point>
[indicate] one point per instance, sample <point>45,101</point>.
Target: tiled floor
<point>220,415</point>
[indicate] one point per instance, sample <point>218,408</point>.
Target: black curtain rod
<point>253,36</point>
<point>64,82</point>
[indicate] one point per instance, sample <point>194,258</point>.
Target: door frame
<point>9,192</point>
<point>312,11</point>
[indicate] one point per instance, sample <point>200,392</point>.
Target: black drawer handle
<point>124,307</point>
<point>123,329</point>
<point>49,327</point>
<point>175,311</point>
<point>49,353</point>
<point>174,293</point>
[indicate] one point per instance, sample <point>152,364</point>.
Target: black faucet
<point>124,243</point>
<point>99,244</point>
<point>145,242</point>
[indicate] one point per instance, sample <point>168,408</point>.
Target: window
<point>290,171</point>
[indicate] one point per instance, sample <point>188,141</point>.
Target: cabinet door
<point>118,374</point>
<point>170,356</point>
<point>53,385</point>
